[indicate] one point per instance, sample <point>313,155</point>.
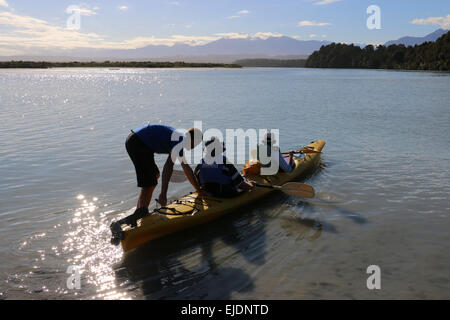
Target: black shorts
<point>144,161</point>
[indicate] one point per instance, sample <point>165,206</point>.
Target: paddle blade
<point>297,189</point>
<point>178,176</point>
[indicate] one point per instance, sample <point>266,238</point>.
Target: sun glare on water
<point>87,246</point>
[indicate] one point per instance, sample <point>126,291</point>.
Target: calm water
<point>382,189</point>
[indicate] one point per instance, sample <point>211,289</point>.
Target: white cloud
<point>307,23</point>
<point>123,8</point>
<point>25,35</point>
<point>238,14</point>
<point>324,2</point>
<point>83,9</point>
<point>28,32</point>
<point>174,3</point>
<point>14,20</point>
<point>140,42</point>
<point>313,36</point>
<point>232,35</point>
<point>443,22</point>
<point>87,12</point>
<point>9,52</point>
<point>265,35</point>
<point>3,3</point>
<point>258,35</point>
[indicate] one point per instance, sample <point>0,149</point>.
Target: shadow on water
<point>191,264</point>
<point>355,217</point>
<point>306,228</point>
<point>311,207</point>
<point>195,263</point>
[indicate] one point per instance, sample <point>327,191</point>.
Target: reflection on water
<point>210,262</point>
<point>382,189</point>
<point>83,241</point>
<point>304,229</point>
<point>207,262</point>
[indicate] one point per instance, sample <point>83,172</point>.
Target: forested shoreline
<point>427,56</point>
<point>111,64</point>
<point>272,63</point>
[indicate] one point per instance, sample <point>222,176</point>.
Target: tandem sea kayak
<point>192,210</point>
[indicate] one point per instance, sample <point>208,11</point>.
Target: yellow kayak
<point>192,210</point>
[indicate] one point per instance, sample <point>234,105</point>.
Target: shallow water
<point>382,188</point>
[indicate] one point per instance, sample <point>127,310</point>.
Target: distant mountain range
<point>224,50</point>
<point>221,49</point>
<point>412,41</point>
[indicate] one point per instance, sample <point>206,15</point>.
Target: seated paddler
<point>217,176</point>
<point>271,151</point>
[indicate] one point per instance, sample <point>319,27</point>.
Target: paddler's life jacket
<point>213,173</point>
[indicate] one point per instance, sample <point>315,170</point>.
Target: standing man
<point>141,145</point>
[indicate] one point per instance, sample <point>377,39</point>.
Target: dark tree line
<point>427,56</point>
<point>113,64</point>
<point>273,63</point>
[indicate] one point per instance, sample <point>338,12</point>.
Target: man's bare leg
<point>143,202</point>
<point>145,197</point>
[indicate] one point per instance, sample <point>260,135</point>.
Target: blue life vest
<point>212,173</point>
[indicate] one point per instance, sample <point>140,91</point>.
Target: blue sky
<point>27,25</point>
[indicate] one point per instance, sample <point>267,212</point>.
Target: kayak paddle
<point>303,151</point>
<point>299,151</point>
<point>295,189</point>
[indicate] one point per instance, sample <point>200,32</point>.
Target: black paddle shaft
<point>265,186</point>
